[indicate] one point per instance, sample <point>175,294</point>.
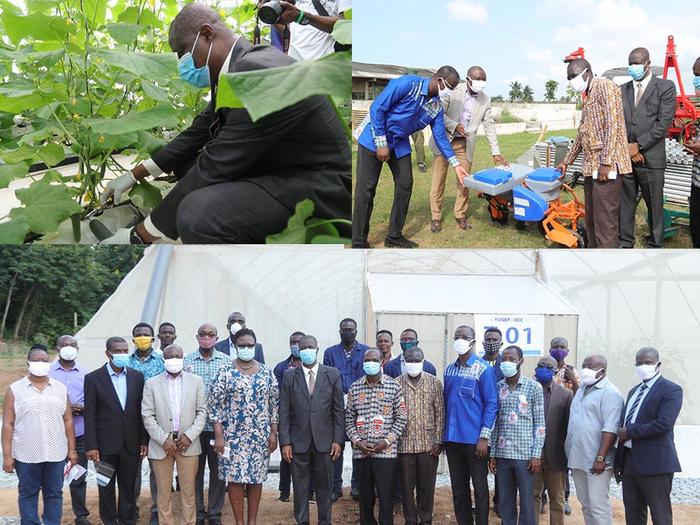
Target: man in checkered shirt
<point>517,439</point>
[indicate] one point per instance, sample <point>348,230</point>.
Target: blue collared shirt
<point>119,382</point>
<point>152,366</point>
<point>403,108</point>
<point>471,401</point>
<point>350,369</point>
<point>74,380</point>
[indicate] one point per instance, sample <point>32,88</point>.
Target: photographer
<point>310,25</point>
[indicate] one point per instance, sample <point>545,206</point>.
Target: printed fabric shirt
<point>207,370</point>
<point>425,411</point>
<point>374,413</point>
<point>520,429</point>
<point>403,108</point>
<point>602,135</point>
<point>560,380</point>
<point>152,366</point>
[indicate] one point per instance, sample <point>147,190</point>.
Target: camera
<point>271,10</point>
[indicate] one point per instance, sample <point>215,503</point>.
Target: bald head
<point>595,362</point>
<point>647,355</point>
<point>696,67</point>
<point>547,360</point>
<point>66,340</point>
<point>207,328</point>
<point>576,67</point>
<point>172,351</point>
<point>373,354</point>
<point>639,55</point>
<point>476,73</point>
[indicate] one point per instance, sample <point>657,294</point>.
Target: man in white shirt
<point>310,25</point>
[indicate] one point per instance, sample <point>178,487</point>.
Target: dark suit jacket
<point>303,417</point>
<point>393,367</point>
<point>108,428</point>
<point>299,152</point>
<point>648,122</point>
<point>556,423</point>
<point>224,346</point>
<point>653,451</point>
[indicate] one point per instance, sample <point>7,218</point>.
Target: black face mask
<point>492,347</point>
<point>348,337</point>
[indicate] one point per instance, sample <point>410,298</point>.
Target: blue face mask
<point>509,369</point>
<point>245,353</point>
<point>197,76</point>
<point>696,82</point>
<point>544,375</point>
<point>308,356</point>
<point>636,71</point>
<point>294,349</point>
<point>408,344</point>
<point>120,360</point>
<point>371,368</point>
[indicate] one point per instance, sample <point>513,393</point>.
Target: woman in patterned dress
<point>243,406</point>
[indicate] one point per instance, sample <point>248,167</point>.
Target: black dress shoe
<point>284,498</point>
<point>400,242</point>
<point>355,494</point>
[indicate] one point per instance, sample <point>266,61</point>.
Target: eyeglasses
<point>542,365</point>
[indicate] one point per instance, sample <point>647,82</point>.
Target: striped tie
<point>637,400</point>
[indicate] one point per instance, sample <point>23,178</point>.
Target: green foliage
<point>302,228</point>
<point>550,90</point>
<point>516,91</point>
<point>507,117</point>
<point>42,286</point>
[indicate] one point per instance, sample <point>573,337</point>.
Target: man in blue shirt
<point>348,357</point>
<point>292,361</point>
<point>471,404</point>
<point>397,366</point>
<point>407,104</point>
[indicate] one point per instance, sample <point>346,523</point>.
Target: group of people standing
<point>621,137</point>
<point>222,406</point>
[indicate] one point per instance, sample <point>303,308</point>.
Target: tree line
<point>44,288</point>
<point>525,94</point>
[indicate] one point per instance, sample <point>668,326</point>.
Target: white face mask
<point>645,372</point>
<point>235,327</point>
<point>444,93</point>
<point>578,83</point>
<point>39,368</point>
<point>414,369</point>
<point>174,365</point>
<point>588,376</point>
<point>477,86</point>
<point>68,353</point>
<point>462,346</point>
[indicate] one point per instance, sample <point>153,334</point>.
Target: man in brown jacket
<point>552,475</point>
<point>602,136</point>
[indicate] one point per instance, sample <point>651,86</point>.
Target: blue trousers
<point>46,477</point>
<point>513,477</point>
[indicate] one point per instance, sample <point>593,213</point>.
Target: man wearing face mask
<point>646,454</point>
<point>166,336</point>
<point>234,323</point>
<point>292,361</point>
<point>406,104</point>
<point>492,343</point>
<point>567,375</point>
<point>606,159</point>
<point>466,108</point>
<point>174,410</point>
<point>374,419</point>
<point>397,366</point>
<point>421,442</point>
<point>650,105</point>
<point>552,476</point>
<point>347,357</point>
<point>470,412</point>
<point>312,429</point>
<point>206,362</point>
<point>150,363</point>
<point>114,432</point>
<point>693,147</point>
<point>66,370</point>
<point>266,167</point>
<point>517,439</point>
<point>590,439</point>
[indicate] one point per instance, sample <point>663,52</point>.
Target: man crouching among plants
<point>238,180</point>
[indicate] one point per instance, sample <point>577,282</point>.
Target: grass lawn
<point>484,232</point>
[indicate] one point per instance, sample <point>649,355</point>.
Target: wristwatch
<point>304,19</point>
<point>600,459</point>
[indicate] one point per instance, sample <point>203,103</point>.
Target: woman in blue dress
<point>243,406</point>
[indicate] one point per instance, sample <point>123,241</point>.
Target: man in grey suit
<point>649,104</point>
<point>311,429</point>
<point>174,409</point>
<point>466,108</point>
<point>552,475</point>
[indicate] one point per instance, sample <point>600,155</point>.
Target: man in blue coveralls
<point>407,104</point>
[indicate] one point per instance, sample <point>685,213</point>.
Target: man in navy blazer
<point>397,366</point>
<point>646,456</point>
<point>235,322</point>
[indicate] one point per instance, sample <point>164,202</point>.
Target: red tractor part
<point>687,114</point>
